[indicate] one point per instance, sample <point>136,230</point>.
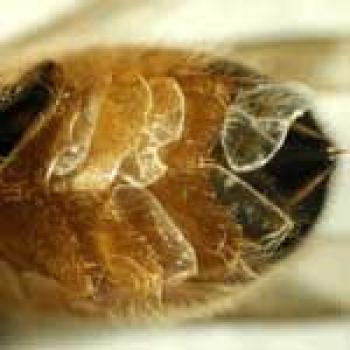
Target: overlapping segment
<point>256,126</point>
<point>143,166</point>
<point>261,220</point>
<point>80,132</point>
<point>145,214</point>
<point>116,136</point>
<point>165,123</point>
<point>104,128</point>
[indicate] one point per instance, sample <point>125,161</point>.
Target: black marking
<point>22,103</point>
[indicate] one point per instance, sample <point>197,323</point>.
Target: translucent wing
<point>261,219</point>
<point>256,126</point>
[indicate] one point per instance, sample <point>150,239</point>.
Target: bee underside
<point>140,182</point>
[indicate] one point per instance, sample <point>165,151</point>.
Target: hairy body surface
<point>140,182</point>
